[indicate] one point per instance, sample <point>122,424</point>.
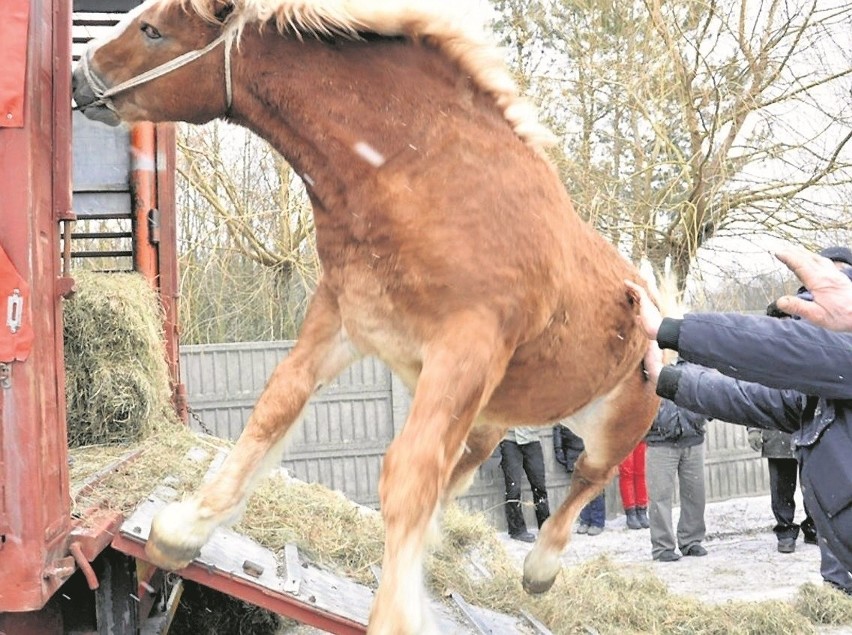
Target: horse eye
<point>150,31</point>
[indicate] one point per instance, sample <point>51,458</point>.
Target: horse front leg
<point>459,373</point>
<point>180,529</point>
<point>610,427</point>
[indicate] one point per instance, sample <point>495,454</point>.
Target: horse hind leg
<point>610,428</point>
<point>480,444</point>
<point>180,529</point>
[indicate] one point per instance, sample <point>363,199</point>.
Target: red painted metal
<point>144,186</point>
<point>85,567</point>
<point>266,598</point>
<point>40,545</point>
<point>35,514</point>
<point>166,150</point>
<point>16,329</point>
<point>13,34</point>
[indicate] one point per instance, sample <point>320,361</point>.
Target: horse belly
<point>547,382</point>
<point>374,328</point>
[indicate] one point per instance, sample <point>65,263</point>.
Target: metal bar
<point>83,216</point>
<point>89,484</point>
<point>83,564</point>
<point>249,592</point>
<point>101,254</point>
<point>84,235</point>
<point>144,183</point>
<point>539,628</point>
<point>470,614</point>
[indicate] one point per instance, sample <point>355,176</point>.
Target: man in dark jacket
<point>775,447</point>
<point>676,454</point>
<point>792,376</point>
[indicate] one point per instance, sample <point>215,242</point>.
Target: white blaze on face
<point>369,154</point>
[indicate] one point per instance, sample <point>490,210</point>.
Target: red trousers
<point>631,479</point>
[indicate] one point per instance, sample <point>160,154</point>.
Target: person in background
<point>676,454</point>
<point>567,447</point>
<point>631,484</point>
<point>521,453</point>
<point>774,446</point>
<point>788,375</point>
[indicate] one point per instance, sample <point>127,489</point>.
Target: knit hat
<point>838,254</point>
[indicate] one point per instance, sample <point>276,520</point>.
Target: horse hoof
<point>169,557</point>
<point>537,587</point>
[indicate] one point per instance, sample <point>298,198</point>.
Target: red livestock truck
<point>62,181</point>
<point>42,547</point>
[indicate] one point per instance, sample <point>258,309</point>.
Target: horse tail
<point>664,291</point>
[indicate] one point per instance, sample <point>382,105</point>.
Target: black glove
<point>560,457</point>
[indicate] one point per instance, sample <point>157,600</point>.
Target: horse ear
<point>224,10</point>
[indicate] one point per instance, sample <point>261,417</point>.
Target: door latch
<point>15,310</point>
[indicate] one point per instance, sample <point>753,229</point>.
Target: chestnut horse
<point>449,247</point>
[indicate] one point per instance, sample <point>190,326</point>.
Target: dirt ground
<point>742,563</point>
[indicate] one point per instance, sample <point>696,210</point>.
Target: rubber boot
<point>642,513</point>
<point>632,518</point>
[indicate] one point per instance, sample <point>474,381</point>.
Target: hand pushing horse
<point>450,250</point>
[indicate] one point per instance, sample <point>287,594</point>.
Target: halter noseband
<point>103,93</point>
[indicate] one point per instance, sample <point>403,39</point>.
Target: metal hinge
<point>14,310</point>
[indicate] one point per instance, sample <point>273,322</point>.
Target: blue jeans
<point>594,514</point>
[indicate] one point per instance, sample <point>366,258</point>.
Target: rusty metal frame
<point>245,590</point>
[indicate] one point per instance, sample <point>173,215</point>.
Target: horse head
<point>162,62</point>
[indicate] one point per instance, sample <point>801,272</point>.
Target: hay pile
<point>117,381</point>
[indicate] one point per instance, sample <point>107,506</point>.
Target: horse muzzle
<point>88,102</point>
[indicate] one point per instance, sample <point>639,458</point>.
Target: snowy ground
<point>742,561</point>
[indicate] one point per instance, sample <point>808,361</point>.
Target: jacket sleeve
<point>712,394</point>
<point>783,354</point>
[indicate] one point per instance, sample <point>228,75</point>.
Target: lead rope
<point>104,94</point>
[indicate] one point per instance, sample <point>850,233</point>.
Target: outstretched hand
<point>832,290</point>
<point>649,316</point>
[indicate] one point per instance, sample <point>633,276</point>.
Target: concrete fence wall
<point>349,424</point>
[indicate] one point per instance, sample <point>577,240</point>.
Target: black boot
<point>642,514</point>
<point>632,518</point>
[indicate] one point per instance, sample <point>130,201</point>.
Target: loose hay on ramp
<point>117,380</point>
<point>594,597</point>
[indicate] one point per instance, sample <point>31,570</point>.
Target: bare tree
<point>690,121</point>
<point>248,258</point>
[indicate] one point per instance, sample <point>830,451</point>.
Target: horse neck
<point>337,111</point>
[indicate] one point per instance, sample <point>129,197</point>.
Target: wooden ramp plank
<point>292,585</point>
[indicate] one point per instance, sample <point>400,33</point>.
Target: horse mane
<point>430,21</point>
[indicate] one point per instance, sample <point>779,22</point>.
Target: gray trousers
<point>665,466</point>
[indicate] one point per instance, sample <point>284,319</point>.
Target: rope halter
<point>103,93</point>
